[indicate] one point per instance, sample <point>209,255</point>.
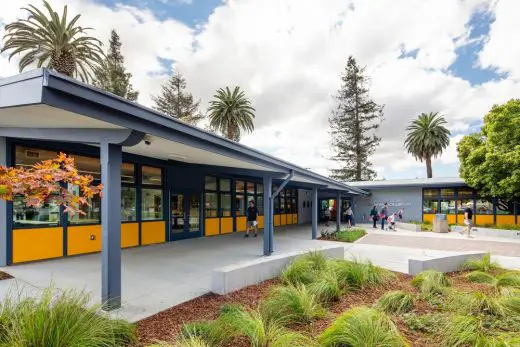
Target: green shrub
<point>461,330</point>
<point>351,235</point>
<point>304,269</point>
<point>395,302</point>
<point>213,333</point>
<point>508,279</point>
<point>485,264</point>
<point>184,341</point>
<point>480,277</point>
<point>60,319</point>
<point>362,326</point>
<point>430,323</point>
<point>511,304</point>
<point>430,282</point>
<point>292,304</point>
<point>327,287</point>
<point>259,330</point>
<point>477,303</point>
<point>357,275</point>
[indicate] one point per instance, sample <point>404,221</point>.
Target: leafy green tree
<point>111,75</point>
<point>54,42</point>
<point>427,138</point>
<point>176,102</point>
<point>490,159</point>
<point>352,126</point>
<point>231,113</point>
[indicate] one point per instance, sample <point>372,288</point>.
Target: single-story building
<point>164,180</point>
<point>421,199</point>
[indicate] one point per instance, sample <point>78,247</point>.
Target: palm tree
<point>51,41</point>
<point>427,137</point>
<point>231,112</point>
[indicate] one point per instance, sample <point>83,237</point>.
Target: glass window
<point>225,205</point>
<point>260,204</point>
<point>448,201</point>
<point>210,183</point>
<point>276,203</point>
<point>484,206</point>
<point>127,173</point>
<point>225,185</point>
<point>240,187</point>
<point>464,197</point>
<point>259,188</point>
<point>47,215</point>
<point>430,201</point>
<point>210,204</point>
<point>294,205</point>
<point>240,203</point>
<point>431,194</point>
<point>88,166</point>
<point>151,175</point>
<point>128,204</point>
<point>250,188</point>
<point>505,207</point>
<point>92,211</point>
<point>26,156</point>
<point>152,204</point>
<point>282,202</point>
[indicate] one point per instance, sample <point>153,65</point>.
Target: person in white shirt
<point>349,214</point>
<point>391,222</point>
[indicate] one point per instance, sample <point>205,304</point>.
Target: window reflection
<point>152,204</point>
<point>128,204</point>
<point>151,175</point>
<point>211,205</point>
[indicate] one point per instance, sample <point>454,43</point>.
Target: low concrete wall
<point>236,276</point>
<point>407,226</point>
<point>443,264</point>
<point>478,231</point>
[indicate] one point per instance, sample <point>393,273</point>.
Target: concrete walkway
<point>157,277</point>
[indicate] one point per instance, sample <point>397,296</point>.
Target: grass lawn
<point>347,235</point>
<point>318,302</point>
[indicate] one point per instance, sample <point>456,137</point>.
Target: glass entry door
<point>185,215</point>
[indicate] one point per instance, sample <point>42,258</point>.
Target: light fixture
<point>177,156</point>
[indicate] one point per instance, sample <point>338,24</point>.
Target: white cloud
<point>288,55</point>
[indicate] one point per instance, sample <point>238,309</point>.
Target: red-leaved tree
<point>47,181</point>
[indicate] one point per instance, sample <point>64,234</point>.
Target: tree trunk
<point>429,167</point>
<point>231,133</point>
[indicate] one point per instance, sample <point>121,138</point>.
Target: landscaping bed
<point>346,235</point>
<point>315,300</point>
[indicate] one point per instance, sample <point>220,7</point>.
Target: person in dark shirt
<point>252,215</point>
<point>468,218</point>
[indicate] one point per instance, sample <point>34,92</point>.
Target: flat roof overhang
<point>439,182</point>
<point>48,100</point>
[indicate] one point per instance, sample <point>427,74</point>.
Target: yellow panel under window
<point>484,219</point>
<point>283,219</point>
<point>451,218</point>
<point>37,244</point>
<point>83,239</point>
<point>129,235</point>
<point>295,218</point>
<point>226,225</point>
<point>428,218</point>
<point>276,220</point>
<point>212,226</point>
<point>505,219</point>
<point>241,223</point>
<point>260,222</point>
<point>153,232</point>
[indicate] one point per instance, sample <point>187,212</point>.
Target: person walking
<point>384,215</point>
<point>349,214</point>
<point>468,218</point>
<point>374,216</point>
<point>400,214</point>
<point>327,215</point>
<point>252,215</point>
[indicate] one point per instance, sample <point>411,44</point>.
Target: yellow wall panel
<point>37,244</point>
<point>295,218</point>
<point>260,222</point>
<point>288,219</point>
<point>83,239</point>
<point>226,225</point>
<point>283,219</point>
<point>129,235</point>
<point>428,217</point>
<point>241,223</point>
<point>276,220</point>
<point>212,226</point>
<point>505,219</point>
<point>451,218</point>
<point>153,232</point>
<point>484,219</point>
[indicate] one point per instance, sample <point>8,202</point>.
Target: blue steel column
<point>268,214</point>
<point>111,157</point>
<point>338,212</point>
<point>314,204</point>
<point>3,209</point>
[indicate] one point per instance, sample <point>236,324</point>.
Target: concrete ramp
<point>230,278</point>
<point>447,263</point>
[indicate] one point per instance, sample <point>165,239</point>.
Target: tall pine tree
<point>352,126</point>
<point>176,102</point>
<point>111,75</point>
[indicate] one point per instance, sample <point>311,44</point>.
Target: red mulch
<point>165,325</point>
<point>5,276</point>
